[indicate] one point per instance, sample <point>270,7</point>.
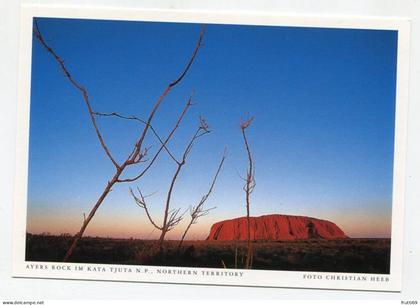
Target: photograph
<point>211,149</point>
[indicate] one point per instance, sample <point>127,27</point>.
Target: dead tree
<point>198,210</point>
<point>248,188</point>
<point>171,217</point>
<point>139,150</point>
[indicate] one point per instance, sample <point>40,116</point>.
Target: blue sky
<point>322,139</point>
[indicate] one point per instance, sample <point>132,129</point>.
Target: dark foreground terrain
<point>347,255</point>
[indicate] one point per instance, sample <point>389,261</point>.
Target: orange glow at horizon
<point>356,225</point>
<point>116,227</point>
<point>359,225</point>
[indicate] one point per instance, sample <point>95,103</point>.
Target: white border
<point>250,277</point>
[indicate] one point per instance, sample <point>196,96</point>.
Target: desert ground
<point>345,255</point>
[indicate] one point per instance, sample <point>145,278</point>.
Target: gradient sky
<point>322,139</point>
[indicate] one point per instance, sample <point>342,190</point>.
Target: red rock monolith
<point>276,227</point>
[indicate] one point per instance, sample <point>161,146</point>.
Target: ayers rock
<point>276,227</point>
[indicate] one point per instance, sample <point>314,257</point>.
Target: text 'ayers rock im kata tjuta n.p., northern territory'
<point>276,227</point>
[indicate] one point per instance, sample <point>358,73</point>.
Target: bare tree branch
<point>181,116</point>
<point>79,87</point>
<point>199,132</point>
<point>174,219</point>
<point>189,64</point>
<point>132,117</point>
<point>141,202</point>
<point>198,211</point>
<point>165,93</point>
<point>248,188</point>
<point>171,218</point>
<point>138,153</point>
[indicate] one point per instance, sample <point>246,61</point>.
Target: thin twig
<point>174,219</point>
<point>141,202</point>
<point>132,117</point>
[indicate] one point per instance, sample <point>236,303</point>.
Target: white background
<point>20,289</point>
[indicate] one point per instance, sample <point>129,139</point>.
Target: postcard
<point>211,148</point>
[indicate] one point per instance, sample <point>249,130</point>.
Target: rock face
<point>276,227</point>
